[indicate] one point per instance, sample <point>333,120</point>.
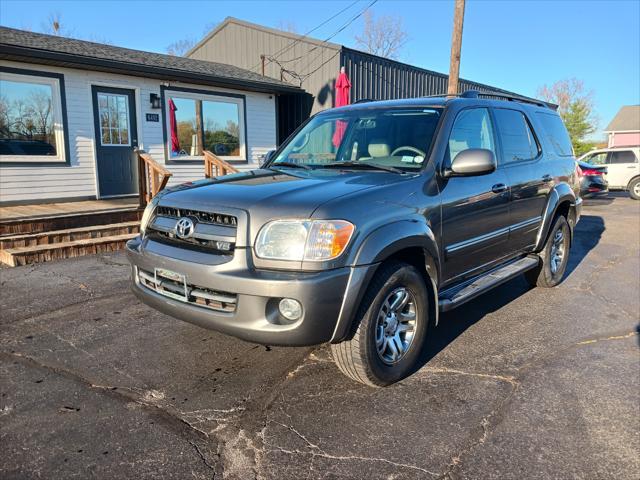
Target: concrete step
<point>68,235</point>
<point>55,251</point>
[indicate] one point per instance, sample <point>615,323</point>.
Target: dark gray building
<point>314,65</point>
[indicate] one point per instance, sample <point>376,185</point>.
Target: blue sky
<point>515,45</point>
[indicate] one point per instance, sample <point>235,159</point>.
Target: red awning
<point>173,125</point>
<point>343,87</point>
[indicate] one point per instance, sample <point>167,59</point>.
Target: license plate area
<point>171,284</point>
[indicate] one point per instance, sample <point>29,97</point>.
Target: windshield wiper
<point>365,165</point>
<point>289,164</point>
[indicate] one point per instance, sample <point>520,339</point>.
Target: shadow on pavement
<point>588,233</point>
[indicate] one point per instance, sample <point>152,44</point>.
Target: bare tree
<point>54,26</point>
<point>575,106</point>
<point>287,26</point>
<point>384,36</point>
<point>180,47</point>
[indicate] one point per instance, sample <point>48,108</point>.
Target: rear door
<point>622,166</point>
<point>528,174</point>
<point>475,209</point>
<point>115,138</point>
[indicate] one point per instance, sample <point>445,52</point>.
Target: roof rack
<point>504,96</point>
<point>363,100</point>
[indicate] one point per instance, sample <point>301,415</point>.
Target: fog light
<point>290,309</point>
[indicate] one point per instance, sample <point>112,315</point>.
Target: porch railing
<point>152,177</point>
<point>214,166</point>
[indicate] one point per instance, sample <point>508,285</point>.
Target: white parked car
<point>623,167</point>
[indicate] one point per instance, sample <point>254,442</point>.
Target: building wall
<point>624,139</point>
<point>40,183</point>
<point>242,45</point>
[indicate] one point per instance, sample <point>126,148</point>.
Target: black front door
<point>116,135</point>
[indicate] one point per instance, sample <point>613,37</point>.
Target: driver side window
<point>471,129</point>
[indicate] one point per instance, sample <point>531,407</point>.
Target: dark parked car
<point>367,223</point>
<point>593,181</point>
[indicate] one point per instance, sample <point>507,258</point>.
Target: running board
<point>450,299</point>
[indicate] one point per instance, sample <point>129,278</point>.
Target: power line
<point>288,47</point>
<point>343,27</point>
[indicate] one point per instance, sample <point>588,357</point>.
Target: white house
<point>71,113</point>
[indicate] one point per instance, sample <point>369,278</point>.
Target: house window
<point>198,122</point>
<point>114,119</point>
<point>31,119</point>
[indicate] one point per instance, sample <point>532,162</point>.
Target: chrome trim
<point>475,240</point>
<point>488,236</point>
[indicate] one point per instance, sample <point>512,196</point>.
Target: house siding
<point>624,139</point>
<point>78,179</point>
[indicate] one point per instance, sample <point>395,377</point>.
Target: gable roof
<point>261,28</point>
<point>627,119</point>
<point>49,49</point>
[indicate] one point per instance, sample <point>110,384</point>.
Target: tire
<point>380,330</point>
<point>554,257</point>
<point>634,188</point>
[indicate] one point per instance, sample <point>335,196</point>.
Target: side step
<point>452,298</point>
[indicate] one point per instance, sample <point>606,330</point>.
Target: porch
<point>42,232</point>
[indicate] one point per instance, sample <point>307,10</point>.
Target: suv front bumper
<point>258,293</point>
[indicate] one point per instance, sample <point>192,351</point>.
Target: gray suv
<point>364,226</point>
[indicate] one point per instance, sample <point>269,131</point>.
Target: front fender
<point>377,247</point>
<point>561,194</point>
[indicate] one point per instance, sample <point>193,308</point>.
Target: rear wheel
<point>553,258</point>
<point>634,189</point>
<point>391,328</point>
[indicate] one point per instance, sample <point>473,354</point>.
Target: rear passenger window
<point>518,142</point>
<point>624,156</point>
<point>556,133</point>
<point>472,129</point>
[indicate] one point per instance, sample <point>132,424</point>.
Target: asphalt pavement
<point>520,383</point>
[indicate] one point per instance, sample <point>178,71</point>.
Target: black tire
<point>359,358</point>
<point>546,274</point>
<point>634,188</point>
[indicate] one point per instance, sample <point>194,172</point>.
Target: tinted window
<point>518,142</point>
<point>472,129</point>
<point>624,156</point>
<point>556,133</point>
<point>597,158</point>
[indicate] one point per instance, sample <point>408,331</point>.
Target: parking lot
<point>521,383</point>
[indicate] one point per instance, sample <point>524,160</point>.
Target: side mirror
<point>267,157</point>
<point>473,161</point>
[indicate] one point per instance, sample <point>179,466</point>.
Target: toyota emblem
<point>185,227</point>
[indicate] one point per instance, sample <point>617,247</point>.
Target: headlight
<point>147,215</point>
<point>299,240</point>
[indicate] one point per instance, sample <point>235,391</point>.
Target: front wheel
<point>634,189</point>
<point>553,258</point>
<point>391,327</point>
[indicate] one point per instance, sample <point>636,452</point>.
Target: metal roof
<point>25,46</point>
<point>626,120</point>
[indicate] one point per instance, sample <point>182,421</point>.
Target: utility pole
<point>456,46</point>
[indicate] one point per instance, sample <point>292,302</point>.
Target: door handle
<point>547,178</point>
<point>499,188</point>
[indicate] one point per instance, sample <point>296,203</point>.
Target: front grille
<point>193,294</point>
<point>207,246</point>
<point>202,217</point>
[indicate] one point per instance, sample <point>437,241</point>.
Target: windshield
<point>389,139</point>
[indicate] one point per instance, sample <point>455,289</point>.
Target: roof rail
<point>363,100</point>
<point>504,96</point>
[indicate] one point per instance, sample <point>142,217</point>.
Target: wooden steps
<point>55,251</point>
<point>43,232</point>
<point>26,225</point>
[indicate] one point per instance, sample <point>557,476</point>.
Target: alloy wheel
<point>396,325</point>
<point>557,251</point>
